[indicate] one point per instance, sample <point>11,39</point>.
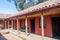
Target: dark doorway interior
<point>32,25</point>
<point>56,26</point>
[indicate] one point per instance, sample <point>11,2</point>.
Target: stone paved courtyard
<point>9,37</point>
<point>15,35</point>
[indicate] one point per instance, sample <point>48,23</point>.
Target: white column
<point>5,24</point>
<point>12,23</point>
<point>26,24</point>
<point>8,24</point>
<point>42,26</point>
<point>17,24</point>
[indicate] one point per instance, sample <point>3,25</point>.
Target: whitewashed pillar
<point>26,25</point>
<point>42,26</point>
<point>8,24</point>
<point>5,24</point>
<point>12,24</point>
<point>17,24</point>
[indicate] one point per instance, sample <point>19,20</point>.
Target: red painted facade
<point>47,29</point>
<point>15,24</point>
<point>37,17</point>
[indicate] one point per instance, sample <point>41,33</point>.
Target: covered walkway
<point>34,20</point>
<point>30,36</point>
<point>9,36</point>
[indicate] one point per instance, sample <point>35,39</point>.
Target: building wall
<point>22,22</point>
<point>15,24</point>
<point>18,24</point>
<point>47,30</point>
<point>6,24</point>
<point>37,27</point>
<point>29,28</point>
<point>2,23</point>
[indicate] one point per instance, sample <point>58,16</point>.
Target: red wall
<point>47,30</point>
<point>15,24</point>
<point>29,30</point>
<point>18,25</point>
<point>22,24</point>
<point>37,28</point>
<point>6,24</point>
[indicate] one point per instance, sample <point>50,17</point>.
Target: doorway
<point>56,26</point>
<point>32,24</point>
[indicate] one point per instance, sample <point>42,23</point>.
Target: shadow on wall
<point>2,37</point>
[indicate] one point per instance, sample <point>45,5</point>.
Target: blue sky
<point>7,7</point>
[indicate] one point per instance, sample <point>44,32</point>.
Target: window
<point>44,22</point>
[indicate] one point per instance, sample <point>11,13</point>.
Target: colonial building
<point>41,19</point>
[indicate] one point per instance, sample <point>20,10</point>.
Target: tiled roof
<point>3,16</point>
<point>47,4</point>
<point>39,6</point>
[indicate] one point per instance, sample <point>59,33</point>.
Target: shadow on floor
<point>2,37</point>
<point>57,37</point>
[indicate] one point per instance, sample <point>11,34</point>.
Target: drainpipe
<point>42,25</point>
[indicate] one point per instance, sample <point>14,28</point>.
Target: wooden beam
<point>34,15</point>
<point>52,12</point>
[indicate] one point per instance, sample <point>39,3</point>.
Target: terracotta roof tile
<point>49,3</point>
<point>3,16</point>
<point>39,6</point>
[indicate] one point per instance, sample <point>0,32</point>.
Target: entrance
<point>56,26</point>
<point>32,25</point>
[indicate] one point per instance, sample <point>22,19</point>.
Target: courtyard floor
<point>9,37</point>
<point>17,35</point>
